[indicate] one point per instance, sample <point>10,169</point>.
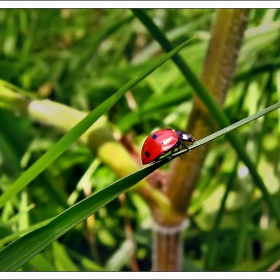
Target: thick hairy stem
<point>220,61</point>
<point>217,74</point>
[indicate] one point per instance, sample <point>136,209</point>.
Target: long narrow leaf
<point>57,149</point>
<point>22,250</point>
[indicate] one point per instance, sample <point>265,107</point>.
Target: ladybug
<point>163,141</point>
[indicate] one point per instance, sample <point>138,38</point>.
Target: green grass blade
<point>151,106</point>
<point>199,88</point>
<point>228,129</point>
<point>13,236</point>
<point>22,250</point>
<point>61,145</point>
<point>211,104</point>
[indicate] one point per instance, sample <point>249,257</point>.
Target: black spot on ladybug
<point>154,136</point>
<point>147,154</point>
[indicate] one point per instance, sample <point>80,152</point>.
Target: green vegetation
<point>80,90</point>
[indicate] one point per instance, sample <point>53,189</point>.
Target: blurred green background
<point>80,57</point>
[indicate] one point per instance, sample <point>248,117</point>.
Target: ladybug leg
<point>172,151</point>
<point>185,147</point>
<point>171,154</point>
<point>183,144</point>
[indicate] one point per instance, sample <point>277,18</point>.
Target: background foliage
<point>80,58</point>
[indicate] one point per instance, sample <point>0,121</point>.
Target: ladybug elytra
<point>163,141</point>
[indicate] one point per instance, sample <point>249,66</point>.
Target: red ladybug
<point>163,141</point>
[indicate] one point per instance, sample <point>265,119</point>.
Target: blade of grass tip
<point>212,106</point>
<point>61,145</point>
<point>228,129</point>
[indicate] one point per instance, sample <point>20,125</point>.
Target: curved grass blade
<point>22,250</point>
<point>56,150</point>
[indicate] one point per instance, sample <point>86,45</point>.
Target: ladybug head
<point>185,136</point>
